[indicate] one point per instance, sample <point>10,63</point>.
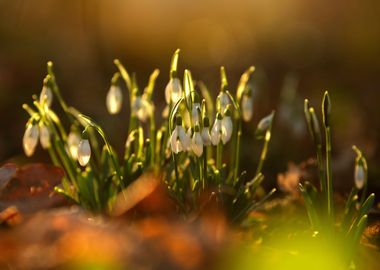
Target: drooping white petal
<point>173,90</point>
<point>30,139</point>
<point>197,144</point>
<point>359,176</point>
<point>44,137</point>
<point>84,152</point>
<point>247,107</point>
<point>46,95</point>
<point>73,141</point>
<point>184,138</point>
<point>226,129</point>
<point>206,136</point>
<point>114,99</point>
<point>175,142</point>
<point>216,132</point>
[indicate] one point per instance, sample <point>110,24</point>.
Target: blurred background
<point>300,48</point>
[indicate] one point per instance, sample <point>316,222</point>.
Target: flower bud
<point>247,107</point>
<point>114,99</point>
<point>73,141</point>
<point>84,152</point>
<point>30,139</point>
<point>197,142</point>
<point>326,109</point>
<point>359,175</point>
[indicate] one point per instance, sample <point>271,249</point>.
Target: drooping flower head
<point>226,125</point>
<point>114,99</point>
<point>46,96</point>
<point>206,137</point>
<point>216,131</point>
<point>73,141</point>
<point>197,142</point>
<point>84,149</point>
<point>30,139</point>
<point>247,105</point>
<point>179,140</point>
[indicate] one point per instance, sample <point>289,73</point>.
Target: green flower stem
<point>219,154</point>
<point>53,156</point>
<point>264,152</point>
<point>329,175</point>
<point>237,150</point>
<point>176,171</point>
<point>152,139</point>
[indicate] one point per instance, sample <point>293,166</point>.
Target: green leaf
<point>188,86</point>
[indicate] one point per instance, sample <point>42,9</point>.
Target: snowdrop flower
<point>197,142</point>
<point>46,96</point>
<point>114,99</point>
<point>206,132</point>
<point>30,139</point>
<point>73,141</point>
<point>173,90</point>
<point>179,141</point>
<point>44,136</point>
<point>226,126</point>
<point>84,152</point>
<point>141,108</point>
<point>265,123</point>
<point>360,174</point>
<point>216,131</point>
<point>247,106</point>
<point>223,101</point>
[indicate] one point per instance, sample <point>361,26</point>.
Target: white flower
<point>46,95</point>
<point>224,100</point>
<point>142,108</point>
<point>247,107</point>
<point>114,99</point>
<point>226,128</point>
<point>265,123</point>
<point>359,176</point>
<point>73,141</point>
<point>44,136</point>
<point>84,152</point>
<point>173,91</point>
<point>179,141</point>
<point>216,131</point>
<point>195,113</point>
<point>197,142</point>
<point>206,136</point>
<point>30,139</point>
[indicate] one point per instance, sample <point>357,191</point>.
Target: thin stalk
<point>152,139</point>
<point>176,171</point>
<point>219,153</point>
<point>237,150</point>
<point>329,175</point>
<point>264,152</point>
